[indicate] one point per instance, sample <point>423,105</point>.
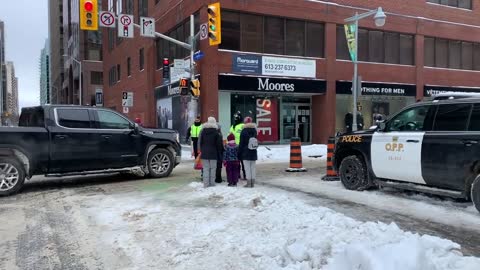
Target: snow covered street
<point>234,228</point>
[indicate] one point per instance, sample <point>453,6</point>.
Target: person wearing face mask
<point>193,132</point>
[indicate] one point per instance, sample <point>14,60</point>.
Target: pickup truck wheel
<point>160,163</point>
<point>475,193</point>
<point>353,173</point>
<point>12,176</point>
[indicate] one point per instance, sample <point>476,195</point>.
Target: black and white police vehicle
<point>431,147</point>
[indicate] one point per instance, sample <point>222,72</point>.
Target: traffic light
<point>195,88</point>
<point>214,24</point>
<point>183,85</point>
<point>166,69</point>
<point>89,15</point>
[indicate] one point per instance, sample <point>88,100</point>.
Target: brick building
<point>286,62</point>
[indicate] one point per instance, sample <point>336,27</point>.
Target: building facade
<point>82,63</point>
<point>11,109</point>
<point>55,35</point>
<point>45,87</point>
<point>287,64</point>
<point>3,75</point>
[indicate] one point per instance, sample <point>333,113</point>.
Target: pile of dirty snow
<point>261,228</point>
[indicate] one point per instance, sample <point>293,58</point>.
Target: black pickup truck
<point>74,140</point>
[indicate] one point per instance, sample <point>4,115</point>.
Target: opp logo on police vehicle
<point>394,146</point>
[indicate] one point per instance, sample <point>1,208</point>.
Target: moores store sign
<point>271,85</point>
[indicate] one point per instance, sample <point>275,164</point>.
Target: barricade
<point>331,173</point>
<point>296,156</point>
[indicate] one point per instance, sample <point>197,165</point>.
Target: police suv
<point>431,147</point>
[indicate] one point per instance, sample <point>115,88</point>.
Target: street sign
<point>125,110</point>
<point>179,63</point>
<point>147,27</point>
<point>198,55</point>
<point>127,99</point>
<point>350,35</point>
<point>107,19</point>
<point>203,31</point>
<point>125,26</point>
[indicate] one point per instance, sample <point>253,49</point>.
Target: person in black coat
<point>245,153</point>
<point>211,150</point>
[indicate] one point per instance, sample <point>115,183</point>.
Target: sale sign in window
<point>267,119</point>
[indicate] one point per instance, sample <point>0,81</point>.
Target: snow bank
<point>262,228</point>
<point>277,153</point>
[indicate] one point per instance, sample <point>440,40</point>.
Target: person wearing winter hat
<point>193,132</point>
<point>232,164</point>
<point>247,150</point>
<point>236,130</point>
<point>211,147</point>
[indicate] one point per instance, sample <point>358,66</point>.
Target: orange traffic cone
<point>296,156</point>
<point>331,173</point>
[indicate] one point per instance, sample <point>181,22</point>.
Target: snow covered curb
<point>278,153</point>
<point>263,228</point>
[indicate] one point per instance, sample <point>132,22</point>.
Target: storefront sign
<point>293,67</point>
<point>267,119</point>
<point>271,85</point>
<point>245,63</point>
<point>429,91</point>
<point>378,89</point>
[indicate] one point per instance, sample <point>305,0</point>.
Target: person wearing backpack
<point>247,150</point>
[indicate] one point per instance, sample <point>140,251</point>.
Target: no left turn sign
<point>203,31</point>
<point>107,19</point>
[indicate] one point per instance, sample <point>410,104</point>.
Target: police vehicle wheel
<point>475,193</point>
<point>353,173</point>
<point>12,176</point>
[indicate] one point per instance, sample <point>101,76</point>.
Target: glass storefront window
<point>370,106</point>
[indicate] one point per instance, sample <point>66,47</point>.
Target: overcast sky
<point>26,28</point>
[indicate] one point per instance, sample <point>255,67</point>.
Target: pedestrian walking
<point>193,132</point>
<point>231,161</point>
<point>247,150</point>
<point>210,144</point>
<point>236,130</point>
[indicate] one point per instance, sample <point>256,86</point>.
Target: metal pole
<point>80,90</point>
<point>192,65</point>
<point>355,78</point>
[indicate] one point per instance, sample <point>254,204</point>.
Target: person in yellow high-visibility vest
<point>236,130</point>
<point>193,132</point>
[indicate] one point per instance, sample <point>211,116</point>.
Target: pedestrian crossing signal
<point>214,24</point>
<point>89,15</point>
<point>183,85</point>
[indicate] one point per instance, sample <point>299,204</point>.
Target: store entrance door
<point>296,122</point>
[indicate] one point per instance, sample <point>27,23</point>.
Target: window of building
<point>452,117</point>
<point>111,120</point>
<point>73,118</point>
<point>315,46</point>
<point>112,76</point>
<point>467,55</point>
<point>129,7</point>
<point>467,4</point>
<point>252,33</point>
<point>392,48</point>
<point>452,54</point>
<point>407,50</point>
<point>362,44</point>
<point>342,46</point>
<point>129,66</point>
<point>230,31</point>
<point>96,77</point>
<point>142,9</point>
<point>376,47</point>
<point>118,73</point>
<point>274,29</point>
<point>295,37</point>
<point>111,38</point>
<point>141,59</point>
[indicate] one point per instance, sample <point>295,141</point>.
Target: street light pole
<point>80,90</point>
<point>379,22</point>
